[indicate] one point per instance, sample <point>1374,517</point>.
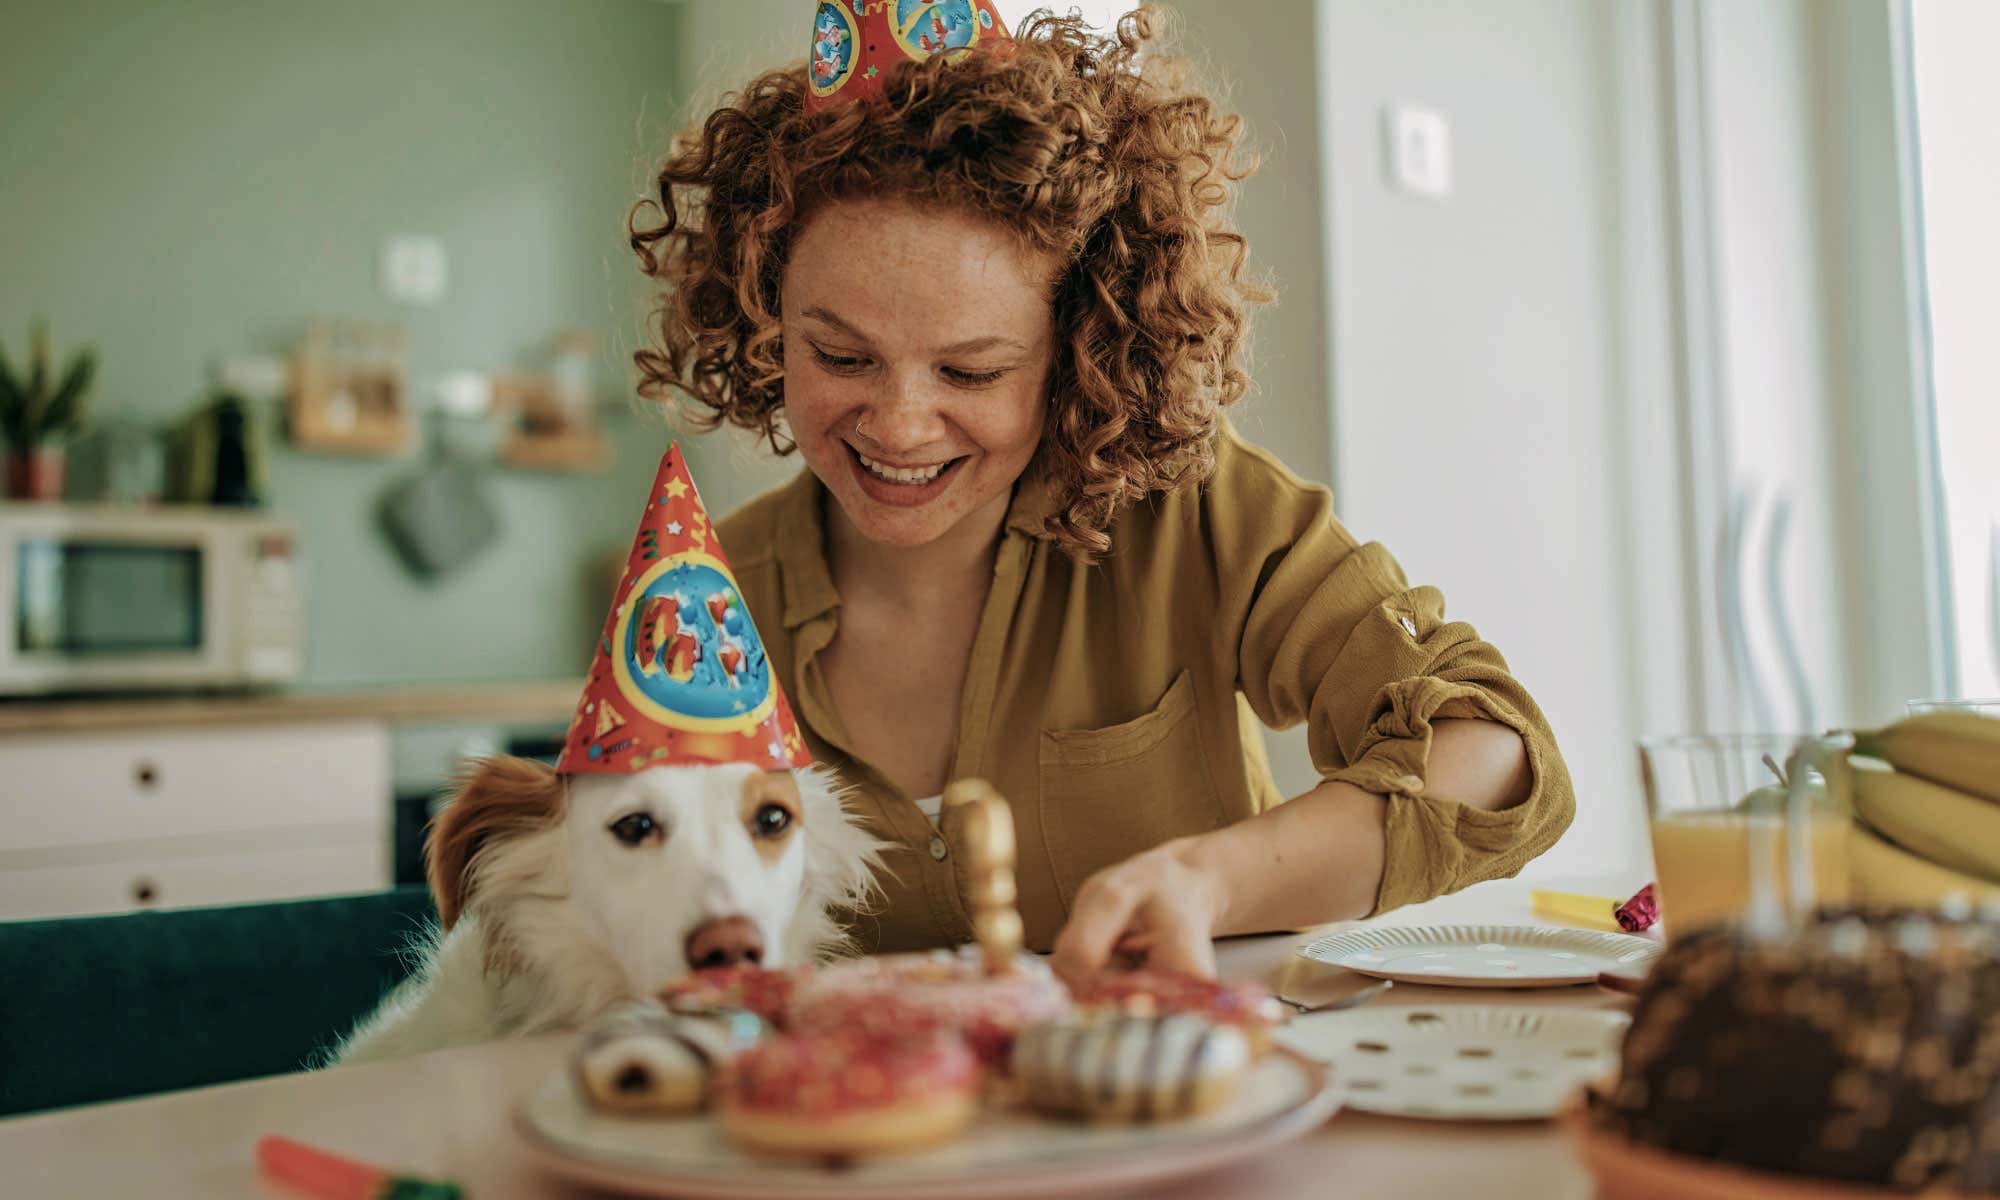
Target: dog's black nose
<point>725,942</point>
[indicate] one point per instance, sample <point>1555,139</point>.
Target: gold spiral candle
<point>985,827</point>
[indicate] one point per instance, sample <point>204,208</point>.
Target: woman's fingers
<point>1103,914</point>
<point>1139,910</point>
<point>1186,950</point>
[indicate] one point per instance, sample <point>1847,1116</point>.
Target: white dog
<point>561,896</point>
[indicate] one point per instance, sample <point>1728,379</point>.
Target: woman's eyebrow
<point>828,317</point>
<point>975,345</point>
<point>969,346</point>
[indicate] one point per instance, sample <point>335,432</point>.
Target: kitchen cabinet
<point>110,822</point>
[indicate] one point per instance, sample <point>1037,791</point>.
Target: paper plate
<point>1007,1153</point>
<point>1461,1062</point>
<point>1506,956</point>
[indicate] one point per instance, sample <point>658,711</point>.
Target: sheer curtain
<point>1958,95</point>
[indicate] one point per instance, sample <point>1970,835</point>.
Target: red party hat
<point>857,42</point>
<point>680,677</point>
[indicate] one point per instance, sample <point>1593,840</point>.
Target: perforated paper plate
<point>1460,1062</point>
<point>1506,956</point>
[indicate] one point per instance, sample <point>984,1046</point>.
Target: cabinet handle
<point>146,774</point>
<point>144,890</point>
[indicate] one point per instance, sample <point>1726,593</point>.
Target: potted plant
<point>38,413</point>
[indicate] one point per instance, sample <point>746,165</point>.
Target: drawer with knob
<point>72,790</point>
<point>328,864</point>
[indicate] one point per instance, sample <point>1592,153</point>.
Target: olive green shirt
<point>1115,706</point>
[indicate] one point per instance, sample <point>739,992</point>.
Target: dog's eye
<point>634,828</point>
<point>771,820</point>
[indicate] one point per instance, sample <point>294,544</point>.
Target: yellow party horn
<point>1575,908</point>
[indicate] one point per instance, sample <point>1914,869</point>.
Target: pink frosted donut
<point>841,1094</point>
<point>755,989</point>
<point>1149,992</point>
<point>913,995</point>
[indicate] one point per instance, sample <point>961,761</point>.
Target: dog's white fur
<point>549,919</point>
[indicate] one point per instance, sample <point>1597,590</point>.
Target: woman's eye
<point>634,828</point>
<point>837,362</point>
<point>771,820</point>
<point>973,378</point>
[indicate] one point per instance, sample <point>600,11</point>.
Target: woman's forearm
<point>1320,857</point>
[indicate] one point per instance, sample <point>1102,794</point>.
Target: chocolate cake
<point>1864,1048</point>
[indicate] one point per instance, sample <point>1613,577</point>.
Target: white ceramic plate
<point>1460,1062</point>
<point>1007,1153</point>
<point>1505,956</point>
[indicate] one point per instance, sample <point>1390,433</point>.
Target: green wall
<point>184,181</point>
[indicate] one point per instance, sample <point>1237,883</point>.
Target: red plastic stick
<point>327,1176</point>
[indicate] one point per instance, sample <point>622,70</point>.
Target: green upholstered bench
<point>98,1008</point>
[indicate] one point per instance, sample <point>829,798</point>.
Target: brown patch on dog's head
<point>497,797</point>
<point>771,789</point>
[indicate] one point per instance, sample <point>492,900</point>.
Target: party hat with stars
<point>680,677</point>
<point>856,42</point>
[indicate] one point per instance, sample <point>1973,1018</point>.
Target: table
<point>448,1113</point>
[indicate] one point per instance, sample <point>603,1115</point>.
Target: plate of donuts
<point>967,1072</point>
<point>1008,1148</point>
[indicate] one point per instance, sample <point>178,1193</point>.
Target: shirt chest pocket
<point>1110,793</point>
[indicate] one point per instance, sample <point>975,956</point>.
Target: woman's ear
<point>497,797</point>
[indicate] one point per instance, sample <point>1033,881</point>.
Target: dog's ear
<point>496,797</point>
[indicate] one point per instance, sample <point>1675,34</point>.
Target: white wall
<point>1481,352</point>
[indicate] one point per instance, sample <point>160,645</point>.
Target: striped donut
<point>643,1059</point>
<point>1125,1068</point>
<point>1248,1006</point>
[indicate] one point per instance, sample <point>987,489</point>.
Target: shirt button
<point>1412,784</point>
<point>1409,627</point>
<point>937,847</point>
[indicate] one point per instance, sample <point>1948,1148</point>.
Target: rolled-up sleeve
<point>1333,635</point>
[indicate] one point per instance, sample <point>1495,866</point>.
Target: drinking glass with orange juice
<point>1747,828</point>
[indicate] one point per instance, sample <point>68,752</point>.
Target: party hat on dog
<point>679,677</point>
<point>855,43</point>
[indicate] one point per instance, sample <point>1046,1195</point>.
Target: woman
<point>999,311</point>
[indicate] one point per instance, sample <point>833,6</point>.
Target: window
<point>1957,93</point>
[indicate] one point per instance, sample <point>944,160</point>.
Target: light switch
<point>413,270</point>
<point>1418,145</point>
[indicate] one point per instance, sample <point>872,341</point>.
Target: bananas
<point>1960,750</point>
<point>1882,874</point>
<point>1928,823</point>
<point>1945,826</point>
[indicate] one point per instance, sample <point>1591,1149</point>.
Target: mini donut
<point>1108,1067</point>
<point>916,995</point>
<point>1248,1006</point>
<point>642,1059</point>
<point>751,988</point>
<point>842,1095</point>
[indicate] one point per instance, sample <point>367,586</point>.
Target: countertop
<point>550,701</point>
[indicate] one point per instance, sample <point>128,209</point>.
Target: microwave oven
<point>119,599</point>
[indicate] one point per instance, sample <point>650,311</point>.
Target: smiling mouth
<point>907,476</point>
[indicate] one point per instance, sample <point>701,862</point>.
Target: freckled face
<point>917,352</point>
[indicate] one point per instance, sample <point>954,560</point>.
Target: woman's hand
<point>1157,907</point>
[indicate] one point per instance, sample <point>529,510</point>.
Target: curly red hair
<point>1085,146</point>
